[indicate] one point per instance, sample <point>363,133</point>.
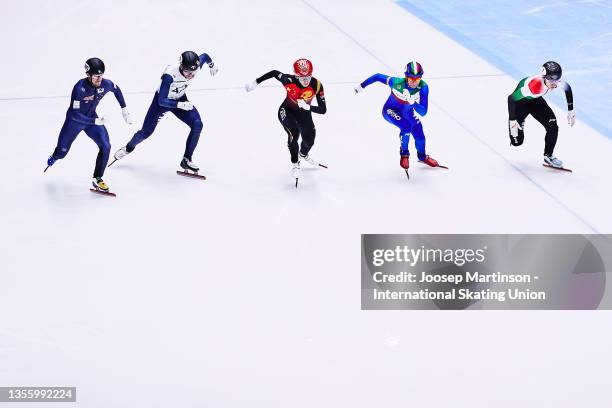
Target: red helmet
<point>302,67</point>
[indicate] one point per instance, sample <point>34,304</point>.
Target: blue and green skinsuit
<point>400,109</point>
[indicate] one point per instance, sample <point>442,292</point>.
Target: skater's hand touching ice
<point>358,89</point>
<point>571,118</point>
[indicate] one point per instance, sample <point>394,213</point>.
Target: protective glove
<point>571,118</point>
<point>302,104</point>
<point>100,121</point>
<point>358,89</point>
<point>213,68</point>
<point>185,105</point>
<point>514,128</point>
<point>126,116</point>
<point>251,86</point>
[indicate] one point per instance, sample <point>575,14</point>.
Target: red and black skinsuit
<point>295,120</point>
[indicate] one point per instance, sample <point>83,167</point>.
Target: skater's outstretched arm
<point>383,79</point>
<point>116,91</point>
<point>279,76</point>
<point>421,107</point>
<point>119,96</point>
<point>321,107</point>
<point>205,59</point>
<point>164,90</point>
<point>569,97</point>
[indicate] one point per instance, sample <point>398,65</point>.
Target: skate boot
<point>310,160</point>
<point>430,161</point>
<point>404,161</point>
<point>190,169</point>
<point>188,165</point>
<point>552,161</point>
<point>295,172</point>
<point>50,161</point>
<point>119,154</point>
<point>99,184</point>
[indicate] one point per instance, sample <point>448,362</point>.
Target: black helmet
<point>552,70</point>
<point>190,61</point>
<point>94,66</point>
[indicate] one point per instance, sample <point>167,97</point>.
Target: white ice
<point>242,291</point>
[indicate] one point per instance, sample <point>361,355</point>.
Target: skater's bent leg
<point>290,125</point>
<point>404,139</point>
<point>154,115</point>
<point>194,121</point>
<point>545,115</point>
<point>550,140</point>
<point>69,132</point>
<point>419,140</point>
<point>308,133</point>
<point>404,124</point>
<point>99,134</point>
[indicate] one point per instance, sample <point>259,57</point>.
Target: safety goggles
<point>304,79</point>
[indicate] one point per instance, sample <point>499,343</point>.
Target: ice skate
<point>99,184</point>
<point>190,169</point>
<point>295,172</point>
<point>431,162</point>
<point>310,160</point>
<point>119,154</point>
<point>187,164</point>
<point>50,161</point>
<point>554,163</point>
<point>404,161</point>
<point>100,187</point>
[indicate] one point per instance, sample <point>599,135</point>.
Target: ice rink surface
<point>242,291</point>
